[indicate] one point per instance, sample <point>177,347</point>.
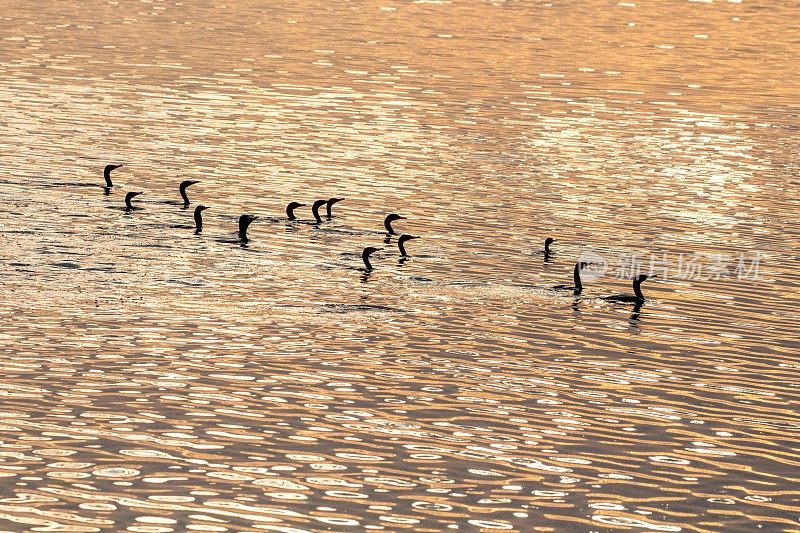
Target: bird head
<point>548,241</point>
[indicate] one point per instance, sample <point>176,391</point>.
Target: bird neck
<point>107,176</point>
<point>576,277</point>
<point>388,225</point>
<point>243,232</point>
<point>198,220</point>
<point>402,247</point>
<point>367,263</point>
<point>637,289</point>
<point>183,195</point>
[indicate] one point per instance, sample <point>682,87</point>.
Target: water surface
<point>155,380</point>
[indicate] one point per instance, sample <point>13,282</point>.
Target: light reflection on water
<point>156,380</point>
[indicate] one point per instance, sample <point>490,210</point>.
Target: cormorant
<point>244,223</point>
<point>637,296</point>
<point>576,278</point>
<point>107,174</point>
<point>290,210</point>
<point>401,242</point>
<point>330,205</point>
<point>128,197</point>
<point>387,223</point>
<point>547,242</point>
<point>198,218</point>
<point>182,189</point>
<point>365,256</point>
<point>315,209</point>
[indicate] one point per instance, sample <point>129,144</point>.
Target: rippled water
<point>155,380</point>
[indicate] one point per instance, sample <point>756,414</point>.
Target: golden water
<point>154,380</point>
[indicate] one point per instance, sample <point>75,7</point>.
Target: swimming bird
<point>369,250</point>
<point>128,197</point>
<point>401,242</point>
<point>315,209</point>
<point>637,296</point>
<point>182,188</point>
<point>332,201</point>
<point>198,218</point>
<point>387,223</point>
<point>547,242</point>
<point>244,223</point>
<point>107,174</point>
<point>290,210</point>
<point>576,278</point>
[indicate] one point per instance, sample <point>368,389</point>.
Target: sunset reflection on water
<point>156,380</point>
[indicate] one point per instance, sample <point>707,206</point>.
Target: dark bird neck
<point>107,177</point>
<point>365,258</point>
<point>243,230</point>
<point>315,211</point>
<point>388,225</point>
<point>637,290</point>
<point>198,220</point>
<point>576,277</point>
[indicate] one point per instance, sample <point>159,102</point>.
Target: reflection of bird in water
<point>244,223</point>
<point>182,189</point>
<point>198,218</point>
<point>107,174</point>
<point>315,209</point>
<point>576,277</point>
<point>330,205</point>
<point>128,197</point>
<point>290,209</point>
<point>369,250</point>
<point>633,320</point>
<point>637,297</point>
<point>387,222</point>
<point>401,243</point>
